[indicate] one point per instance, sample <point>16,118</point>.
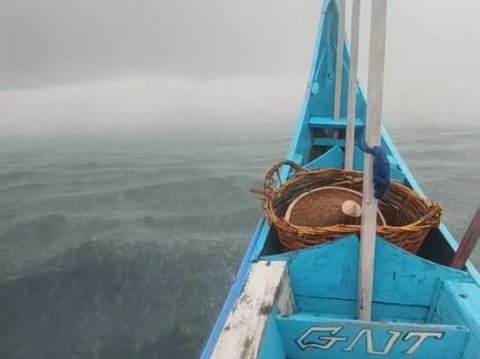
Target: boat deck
<point>302,304</point>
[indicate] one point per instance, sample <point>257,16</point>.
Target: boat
<point>358,296</point>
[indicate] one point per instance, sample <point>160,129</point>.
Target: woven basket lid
<point>328,206</point>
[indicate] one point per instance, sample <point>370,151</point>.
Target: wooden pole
<point>468,243</point>
<point>352,86</point>
<point>374,117</point>
<point>339,64</point>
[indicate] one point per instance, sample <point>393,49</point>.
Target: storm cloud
<point>89,64</point>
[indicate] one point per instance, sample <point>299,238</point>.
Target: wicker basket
<point>409,216</point>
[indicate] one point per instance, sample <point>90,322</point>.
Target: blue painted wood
<point>302,139</point>
<point>333,158</point>
<point>263,232</point>
<point>298,158</point>
<point>458,303</point>
<point>395,171</point>
<point>329,122</point>
<point>347,309</point>
<point>309,337</point>
<point>322,94</point>
<point>471,349</point>
<point>400,278</point>
<point>467,297</point>
<point>322,90</point>
<point>271,345</point>
<point>330,142</point>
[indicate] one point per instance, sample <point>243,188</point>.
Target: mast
<point>352,86</point>
<point>374,117</point>
<point>339,63</point>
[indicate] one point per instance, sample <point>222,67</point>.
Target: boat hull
<point>428,313</point>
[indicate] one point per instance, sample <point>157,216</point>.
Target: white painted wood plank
<point>352,86</point>
<point>339,63</point>
<point>374,119</point>
<point>268,286</point>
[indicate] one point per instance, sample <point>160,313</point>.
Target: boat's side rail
<point>267,290</point>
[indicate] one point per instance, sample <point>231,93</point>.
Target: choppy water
<point>124,247</point>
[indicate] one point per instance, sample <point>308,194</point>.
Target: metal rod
<point>467,245</point>
<point>374,117</point>
<point>352,86</point>
<point>339,64</point>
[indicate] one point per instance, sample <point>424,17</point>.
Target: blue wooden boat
<point>303,304</point>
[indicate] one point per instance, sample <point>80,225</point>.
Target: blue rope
<point>381,169</point>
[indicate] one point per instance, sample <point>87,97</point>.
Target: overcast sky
<point>102,64</point>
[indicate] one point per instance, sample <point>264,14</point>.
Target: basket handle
<point>273,174</point>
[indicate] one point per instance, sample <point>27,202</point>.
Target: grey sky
<point>50,41</point>
<point>82,64</point>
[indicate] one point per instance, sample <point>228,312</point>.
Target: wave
<point>16,175</point>
<point>116,299</point>
<point>108,248</point>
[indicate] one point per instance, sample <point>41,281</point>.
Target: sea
<point>124,245</point>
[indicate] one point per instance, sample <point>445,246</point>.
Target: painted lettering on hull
<point>326,338</point>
